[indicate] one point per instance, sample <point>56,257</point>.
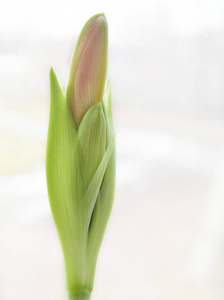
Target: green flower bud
<point>80,162</point>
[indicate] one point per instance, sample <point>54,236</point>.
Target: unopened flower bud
<point>88,67</point>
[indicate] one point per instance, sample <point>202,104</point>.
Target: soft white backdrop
<point>165,238</point>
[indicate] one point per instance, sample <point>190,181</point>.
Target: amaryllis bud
<point>88,67</point>
<point>80,164</point>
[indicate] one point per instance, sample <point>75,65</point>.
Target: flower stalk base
<point>81,295</point>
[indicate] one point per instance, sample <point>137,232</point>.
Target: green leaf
<point>92,139</point>
<point>95,184</point>
<point>64,184</point>
<point>102,209</point>
<point>107,100</point>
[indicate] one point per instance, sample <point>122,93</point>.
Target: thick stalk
<point>80,295</point>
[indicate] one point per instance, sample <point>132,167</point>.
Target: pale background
<point>165,237</point>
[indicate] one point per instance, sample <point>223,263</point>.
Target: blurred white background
<point>165,237</point>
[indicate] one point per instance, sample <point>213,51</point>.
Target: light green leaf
<point>95,184</point>
<point>102,209</point>
<point>63,183</point>
<point>107,100</point>
<point>92,139</point>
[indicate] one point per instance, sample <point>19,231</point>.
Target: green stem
<point>81,295</point>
